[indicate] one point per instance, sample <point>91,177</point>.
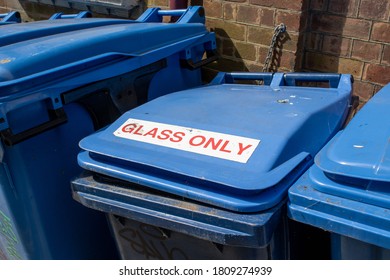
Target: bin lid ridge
<point>44,53</point>
<point>362,149</point>
<point>241,142</point>
<point>38,29</point>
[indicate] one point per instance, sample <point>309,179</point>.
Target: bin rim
<point>362,149</point>
<point>244,184</point>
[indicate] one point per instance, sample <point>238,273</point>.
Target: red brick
<point>288,60</point>
<point>227,29</point>
<point>356,28</point>
<point>350,66</point>
<point>245,51</point>
<point>377,74</point>
<point>377,10</point>
<point>13,5</point>
<point>337,45</point>
<point>291,20</point>
<point>386,54</point>
<point>314,41</point>
<point>295,5</point>
<point>230,11</point>
<point>263,52</point>
<point>366,51</point>
<point>227,47</point>
<point>248,14</point>
<point>344,7</point>
<point>318,5</point>
<point>228,65</point>
<point>265,3</point>
<point>291,42</point>
<point>363,89</point>
<point>161,3</point>
<point>380,32</point>
<point>260,35</point>
<point>254,67</point>
<point>213,9</point>
<point>330,63</point>
<point>280,59</point>
<point>267,17</point>
<point>377,88</point>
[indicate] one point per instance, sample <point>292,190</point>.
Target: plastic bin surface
<point>39,53</point>
<point>60,80</point>
<point>346,191</point>
<point>238,147</point>
<point>56,60</point>
<point>155,225</point>
<point>10,18</point>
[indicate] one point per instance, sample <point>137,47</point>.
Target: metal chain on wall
<point>281,28</point>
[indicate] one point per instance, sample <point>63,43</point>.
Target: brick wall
<point>244,30</point>
<point>345,36</point>
<point>350,36</point>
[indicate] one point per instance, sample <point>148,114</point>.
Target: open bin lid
<point>358,157</point>
<point>28,49</point>
<point>46,59</point>
<point>235,146</point>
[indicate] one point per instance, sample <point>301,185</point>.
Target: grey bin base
<point>139,241</point>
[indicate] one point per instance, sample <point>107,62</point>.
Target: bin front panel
<point>132,203</point>
<point>40,217</point>
<point>359,156</point>
<point>235,146</point>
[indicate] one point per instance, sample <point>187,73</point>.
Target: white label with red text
<point>214,144</point>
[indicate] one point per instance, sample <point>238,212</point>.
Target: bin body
<point>61,80</point>
<point>345,191</point>
<point>210,166</point>
<point>43,222</point>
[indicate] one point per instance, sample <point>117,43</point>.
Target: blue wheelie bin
<point>60,80</point>
<point>204,173</point>
<point>9,18</point>
<point>346,191</point>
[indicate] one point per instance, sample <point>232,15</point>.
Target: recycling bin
<point>11,17</point>
<point>83,14</point>
<point>204,173</point>
<point>346,191</point>
<point>60,80</point>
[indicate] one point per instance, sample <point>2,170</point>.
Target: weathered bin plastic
<point>83,14</point>
<point>9,18</point>
<point>346,192</point>
<point>204,173</point>
<point>60,80</point>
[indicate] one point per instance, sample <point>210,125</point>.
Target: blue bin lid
<point>44,59</point>
<point>235,146</point>
<point>358,157</point>
<point>348,217</point>
<point>28,49</point>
